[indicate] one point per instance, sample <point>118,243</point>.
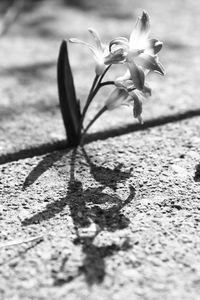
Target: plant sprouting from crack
<point>139,55</point>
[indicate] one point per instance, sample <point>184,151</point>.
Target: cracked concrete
<point>29,112</point>
<point>120,219</point>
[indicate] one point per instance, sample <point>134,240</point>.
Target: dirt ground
<point>118,218</point>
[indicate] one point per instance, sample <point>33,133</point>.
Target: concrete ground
<point>29,112</point>
<point>118,218</point>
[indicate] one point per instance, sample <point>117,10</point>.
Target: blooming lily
<point>125,93</point>
<point>139,52</point>
<point>99,51</point>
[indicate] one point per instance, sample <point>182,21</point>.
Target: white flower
<point>125,93</point>
<point>139,52</point>
<point>99,51</point>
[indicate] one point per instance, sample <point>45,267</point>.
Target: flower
<point>139,52</point>
<point>125,93</point>
<point>99,51</point>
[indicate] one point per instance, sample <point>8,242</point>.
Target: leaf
<point>68,103</point>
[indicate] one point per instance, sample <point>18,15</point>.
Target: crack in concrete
<point>100,135</point>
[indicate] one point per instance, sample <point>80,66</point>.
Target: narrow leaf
<point>67,96</point>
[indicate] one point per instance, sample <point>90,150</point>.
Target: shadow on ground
<point>90,208</point>
<point>37,71</point>
<point>197,173</point>
<point>105,8</point>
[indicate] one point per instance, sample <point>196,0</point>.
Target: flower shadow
<point>197,173</point>
<point>104,175</point>
<point>93,266</point>
<point>89,207</point>
<point>46,163</point>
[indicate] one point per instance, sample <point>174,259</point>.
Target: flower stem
<point>94,83</point>
<point>104,73</point>
<point>93,91</point>
<point>107,83</point>
<point>88,99</point>
<point>102,110</point>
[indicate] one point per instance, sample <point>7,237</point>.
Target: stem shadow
<point>88,207</point>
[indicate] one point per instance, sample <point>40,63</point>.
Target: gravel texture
<point>119,219</point>
<point>29,109</point>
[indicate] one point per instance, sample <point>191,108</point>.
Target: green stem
<point>104,73</point>
<point>99,85</point>
<point>93,92</point>
<point>88,99</point>
<point>107,83</point>
<point>94,83</point>
<point>102,110</point>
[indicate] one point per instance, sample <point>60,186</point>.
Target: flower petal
<point>137,108</point>
<point>97,38</point>
<point>99,68</point>
<point>154,46</point>
<point>126,76</point>
<point>125,84</point>
<point>146,91</point>
<point>116,98</point>
<point>121,41</point>
<point>115,57</point>
<point>142,28</point>
<point>150,62</point>
<point>137,75</point>
<point>144,24</point>
<point>129,85</point>
<point>124,81</point>
<point>77,41</point>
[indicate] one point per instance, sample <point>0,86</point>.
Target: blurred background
<point>31,32</point>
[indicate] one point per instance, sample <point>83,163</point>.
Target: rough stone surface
<point>29,112</point>
<point>120,219</point>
